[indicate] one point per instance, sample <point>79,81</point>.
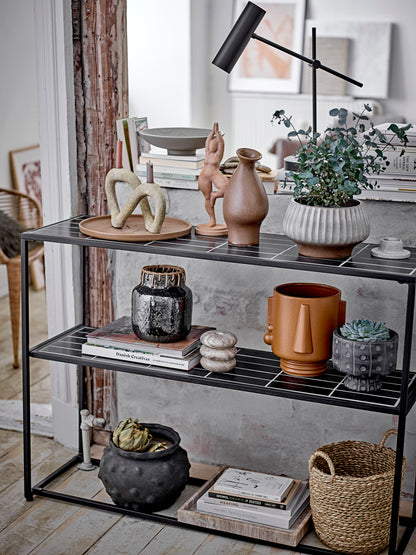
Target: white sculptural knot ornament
<point>153,223</point>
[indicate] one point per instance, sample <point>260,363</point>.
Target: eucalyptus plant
<point>334,166</point>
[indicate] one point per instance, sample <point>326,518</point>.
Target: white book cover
<point>249,514</point>
<point>158,173</point>
<point>171,169</point>
<point>185,363</point>
<point>253,484</point>
<point>392,139</point>
<point>153,154</point>
<point>397,163</point>
<point>298,499</point>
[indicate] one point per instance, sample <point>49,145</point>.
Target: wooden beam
<point>101,91</point>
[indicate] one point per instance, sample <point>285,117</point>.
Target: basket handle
<point>328,460</point>
<point>386,435</point>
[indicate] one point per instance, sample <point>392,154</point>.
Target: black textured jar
<point>161,304</point>
<point>146,481</point>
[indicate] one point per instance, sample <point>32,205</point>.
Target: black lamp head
<point>239,37</point>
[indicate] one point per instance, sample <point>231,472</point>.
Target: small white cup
<point>391,244</point>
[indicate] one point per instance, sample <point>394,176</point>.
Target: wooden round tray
<point>133,230</point>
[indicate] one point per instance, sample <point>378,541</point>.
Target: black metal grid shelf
<point>274,250</point>
<point>256,372</point>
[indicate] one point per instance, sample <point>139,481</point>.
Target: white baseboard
<point>11,417</point>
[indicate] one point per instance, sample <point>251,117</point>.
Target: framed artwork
<point>262,68</point>
<point>25,169</point>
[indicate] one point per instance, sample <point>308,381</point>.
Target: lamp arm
<point>314,63</point>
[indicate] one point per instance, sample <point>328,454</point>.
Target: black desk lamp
<point>241,34</point>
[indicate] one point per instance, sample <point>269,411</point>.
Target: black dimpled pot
<point>146,481</point>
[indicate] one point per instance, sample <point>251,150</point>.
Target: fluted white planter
<point>322,232</point>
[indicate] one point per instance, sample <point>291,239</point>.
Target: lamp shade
<point>238,37</point>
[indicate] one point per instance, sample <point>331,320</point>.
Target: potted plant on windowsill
<point>324,218</point>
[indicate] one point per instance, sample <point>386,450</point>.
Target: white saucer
<point>382,253</point>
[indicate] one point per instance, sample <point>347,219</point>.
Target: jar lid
<point>162,274</point>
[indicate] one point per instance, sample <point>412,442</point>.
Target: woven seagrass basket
<point>351,489</point>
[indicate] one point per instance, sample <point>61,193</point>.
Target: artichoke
<point>131,436</point>
<point>365,330</point>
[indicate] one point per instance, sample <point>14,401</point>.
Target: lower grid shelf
<point>84,488</point>
<point>256,372</point>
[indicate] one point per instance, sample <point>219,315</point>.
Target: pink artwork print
<point>259,60</point>
<point>31,179</point>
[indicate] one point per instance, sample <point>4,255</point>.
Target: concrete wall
<point>259,432</point>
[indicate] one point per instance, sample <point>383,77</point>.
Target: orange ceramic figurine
<point>211,175</point>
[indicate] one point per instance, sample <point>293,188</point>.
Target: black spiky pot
<point>146,482</point>
<point>364,362</point>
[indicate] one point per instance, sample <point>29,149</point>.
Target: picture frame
<point>262,68</point>
<point>25,170</point>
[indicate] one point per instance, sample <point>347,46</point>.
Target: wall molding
<point>54,61</point>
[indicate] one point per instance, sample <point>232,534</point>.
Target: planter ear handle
<point>268,337</point>
<point>386,435</point>
<point>324,456</point>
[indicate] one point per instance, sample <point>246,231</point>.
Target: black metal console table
<point>256,371</point>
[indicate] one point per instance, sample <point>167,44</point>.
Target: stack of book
<point>398,181</point>
<point>266,499</point>
<point>167,166</point>
<point>118,341</point>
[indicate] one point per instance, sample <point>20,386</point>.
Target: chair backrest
<point>21,207</point>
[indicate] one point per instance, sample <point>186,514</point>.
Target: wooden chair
<point>27,211</point>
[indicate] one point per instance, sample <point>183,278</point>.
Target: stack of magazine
<point>117,340</point>
<point>255,497</point>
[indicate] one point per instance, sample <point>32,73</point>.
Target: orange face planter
<point>301,318</point>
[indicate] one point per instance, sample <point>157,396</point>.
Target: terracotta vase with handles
<point>245,201</point>
<point>301,318</point>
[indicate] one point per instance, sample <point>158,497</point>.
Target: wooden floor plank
<point>11,463</point>
<point>8,439</point>
<point>172,539</point>
<point>11,386</point>
<point>128,537</point>
<point>41,520</point>
<point>12,501</point>
<point>221,545</point>
<point>10,378</point>
<point>79,532</point>
<point>269,550</point>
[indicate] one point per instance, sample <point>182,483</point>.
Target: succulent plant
<point>130,435</point>
<point>365,330</point>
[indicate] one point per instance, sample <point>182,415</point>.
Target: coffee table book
<point>186,362</point>
<point>252,513</point>
<point>188,513</point>
<point>119,335</point>
<point>253,485</point>
<point>288,506</point>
